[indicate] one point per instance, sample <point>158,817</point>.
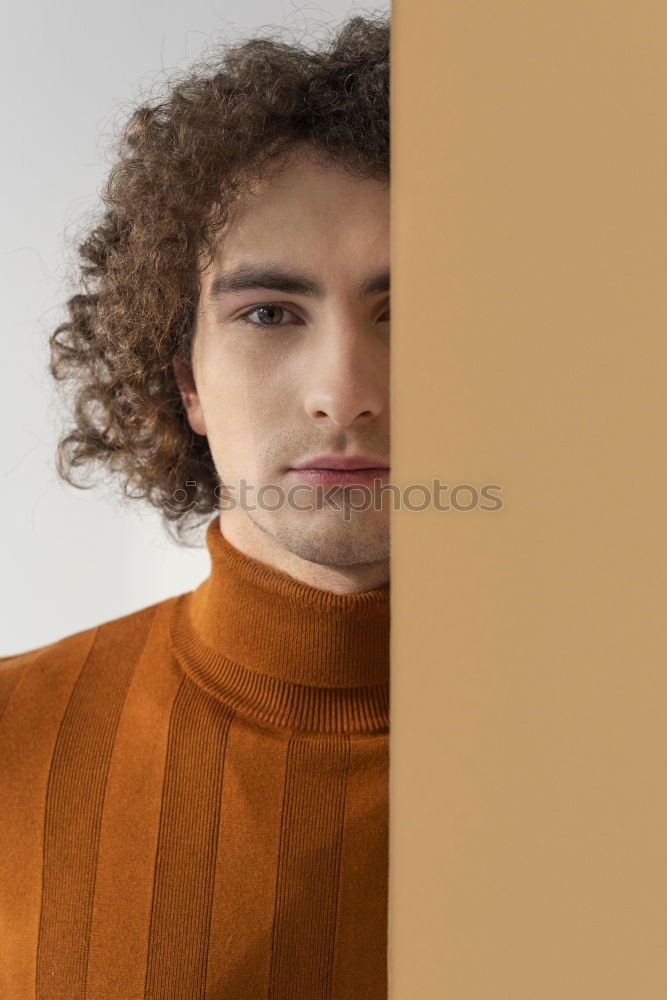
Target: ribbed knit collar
<point>284,652</point>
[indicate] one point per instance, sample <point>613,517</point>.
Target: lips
<point>367,463</point>
<point>340,477</point>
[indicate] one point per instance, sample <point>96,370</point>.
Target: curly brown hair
<point>180,163</point>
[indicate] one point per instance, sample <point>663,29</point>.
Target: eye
<point>273,312</point>
<point>384,316</point>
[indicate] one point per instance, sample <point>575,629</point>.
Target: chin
<point>333,541</point>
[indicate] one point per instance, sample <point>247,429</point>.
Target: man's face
<point>307,374</point>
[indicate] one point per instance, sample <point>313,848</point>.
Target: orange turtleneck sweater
<point>194,797</point>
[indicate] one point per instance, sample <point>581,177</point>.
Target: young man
<point>193,798</point>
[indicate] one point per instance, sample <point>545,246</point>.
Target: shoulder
<point>48,667</point>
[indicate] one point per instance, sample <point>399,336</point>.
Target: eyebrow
<point>248,276</point>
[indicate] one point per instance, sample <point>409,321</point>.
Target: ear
<point>188,390</point>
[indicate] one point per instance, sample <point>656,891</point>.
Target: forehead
<point>310,210</point>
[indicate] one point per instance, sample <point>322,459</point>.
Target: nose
<point>347,383</point>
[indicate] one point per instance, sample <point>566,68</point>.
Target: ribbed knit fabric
<point>194,798</point>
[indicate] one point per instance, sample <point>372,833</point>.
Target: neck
<point>248,538</point>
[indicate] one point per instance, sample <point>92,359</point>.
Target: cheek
<point>244,409</point>
<point>254,386</point>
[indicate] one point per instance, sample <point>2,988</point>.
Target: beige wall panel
<point>529,656</point>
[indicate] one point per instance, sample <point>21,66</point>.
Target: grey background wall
<point>71,71</point>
